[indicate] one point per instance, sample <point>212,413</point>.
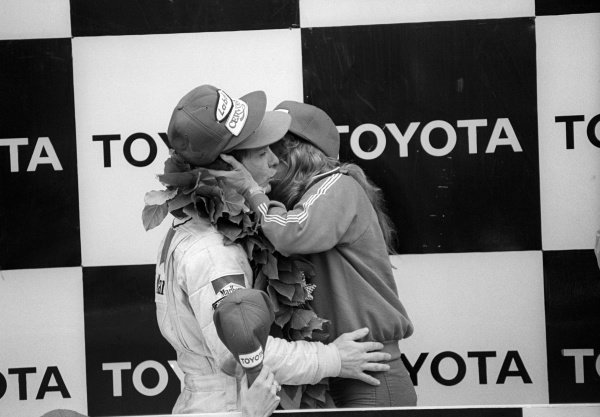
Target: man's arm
<point>302,362</point>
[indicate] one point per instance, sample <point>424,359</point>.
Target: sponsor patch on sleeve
<point>226,285</point>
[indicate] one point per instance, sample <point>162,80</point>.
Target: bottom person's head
<point>208,122</point>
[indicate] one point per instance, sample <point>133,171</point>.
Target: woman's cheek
<point>280,171</point>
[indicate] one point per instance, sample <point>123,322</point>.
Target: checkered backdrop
<point>479,119</point>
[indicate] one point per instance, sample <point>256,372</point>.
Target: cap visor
<point>274,126</point>
<point>257,104</point>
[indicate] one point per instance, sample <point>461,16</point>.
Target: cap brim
<point>257,104</point>
<point>274,126</point>
<point>298,111</point>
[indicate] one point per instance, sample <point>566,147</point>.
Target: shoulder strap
<point>167,245</point>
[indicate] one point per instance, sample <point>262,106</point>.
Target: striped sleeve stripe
<point>302,215</point>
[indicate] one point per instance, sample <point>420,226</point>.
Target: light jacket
<point>335,226</point>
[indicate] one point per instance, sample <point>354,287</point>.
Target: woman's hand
<point>239,178</point>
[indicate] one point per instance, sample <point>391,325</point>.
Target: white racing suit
<point>194,270</point>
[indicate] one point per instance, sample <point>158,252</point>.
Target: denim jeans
<point>396,389</point>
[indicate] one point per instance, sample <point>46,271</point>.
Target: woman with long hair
<point>333,215</point>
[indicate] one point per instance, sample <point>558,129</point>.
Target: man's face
<point>262,165</point>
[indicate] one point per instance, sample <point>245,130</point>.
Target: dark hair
<point>304,161</point>
<point>221,165</point>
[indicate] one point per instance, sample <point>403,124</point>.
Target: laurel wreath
<point>287,280</point>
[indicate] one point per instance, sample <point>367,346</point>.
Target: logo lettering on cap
<point>224,106</point>
<point>250,360</point>
<point>237,118</point>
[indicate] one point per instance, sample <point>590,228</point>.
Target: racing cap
<point>207,122</point>
<point>313,125</point>
<point>274,126</point>
<point>243,320</point>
